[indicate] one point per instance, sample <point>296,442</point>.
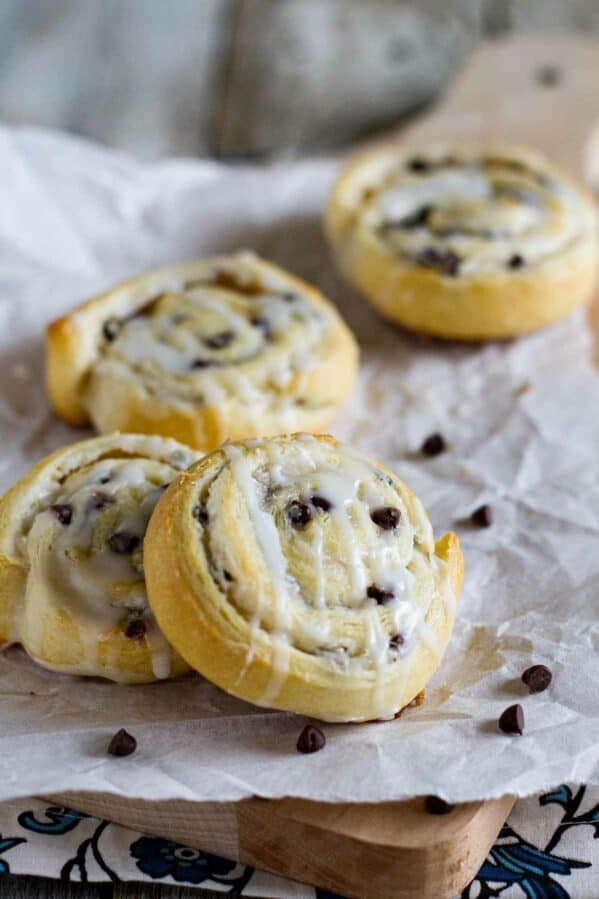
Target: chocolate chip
<point>416,219</point>
<point>288,296</point>
<point>105,479</point>
<point>396,641</point>
<point>537,678</point>
<point>511,721</point>
<point>227,575</point>
<point>298,513</point>
<point>311,739</point>
<point>446,262</point>
<point>202,363</point>
<point>123,542</point>
<point>321,503</point>
<point>261,322</point>
<point>100,500</point>
<point>111,328</point>
<point>63,512</point>
<point>437,806</point>
<point>381,596</point>
<point>136,629</point>
<point>434,445</point>
<point>220,341</point>
<point>386,517</point>
<point>418,164</point>
<point>515,261</point>
<point>200,514</point>
<point>122,743</point>
<point>483,516</point>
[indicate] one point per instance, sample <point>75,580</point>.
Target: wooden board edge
<point>394,849</point>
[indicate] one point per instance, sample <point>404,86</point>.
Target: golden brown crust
<point>476,306</point>
<point>209,620</point>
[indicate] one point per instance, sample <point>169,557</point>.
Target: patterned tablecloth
<point>548,849</point>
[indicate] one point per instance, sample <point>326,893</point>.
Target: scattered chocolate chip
<point>515,261</point>
<point>123,542</point>
<point>381,596</point>
<point>200,514</point>
<point>418,164</point>
<point>483,516</point>
<point>220,341</point>
<point>386,517</point>
<point>537,678</point>
<point>437,806</point>
<point>434,445</point>
<point>136,629</point>
<point>63,512</point>
<point>298,513</point>
<point>321,503</point>
<point>396,641</point>
<point>123,743</point>
<point>100,500</point>
<point>105,479</point>
<point>549,75</point>
<point>111,328</point>
<point>202,363</point>
<point>511,721</point>
<point>288,296</point>
<point>311,739</point>
<point>228,576</point>
<point>446,262</point>
<point>261,322</point>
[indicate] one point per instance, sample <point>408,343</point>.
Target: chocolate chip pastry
<point>72,586</point>
<point>227,347</point>
<point>461,241</point>
<point>299,574</point>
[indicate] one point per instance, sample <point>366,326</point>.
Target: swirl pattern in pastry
<point>72,586</point>
<point>227,347</point>
<point>298,574</point>
<point>464,241</point>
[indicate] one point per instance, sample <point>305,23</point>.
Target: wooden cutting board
<point>540,91</point>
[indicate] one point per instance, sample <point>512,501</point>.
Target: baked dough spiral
<point>298,574</point>
<point>227,347</point>
<point>466,242</point>
<point>72,588</point>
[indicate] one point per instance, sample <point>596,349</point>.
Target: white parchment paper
<point>522,420</point>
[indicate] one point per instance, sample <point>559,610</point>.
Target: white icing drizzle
<point>73,563</point>
<point>319,571</point>
<point>268,338</point>
<point>485,209</point>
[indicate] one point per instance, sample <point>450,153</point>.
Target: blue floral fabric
<point>548,849</point>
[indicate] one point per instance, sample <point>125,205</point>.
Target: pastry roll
<point>464,242</point>
<point>72,588</point>
<point>298,574</point>
<point>227,347</point>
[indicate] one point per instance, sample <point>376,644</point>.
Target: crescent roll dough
<point>227,347</point>
<point>463,241</point>
<point>72,587</point>
<point>298,574</point>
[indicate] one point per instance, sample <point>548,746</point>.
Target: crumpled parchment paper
<point>522,421</point>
